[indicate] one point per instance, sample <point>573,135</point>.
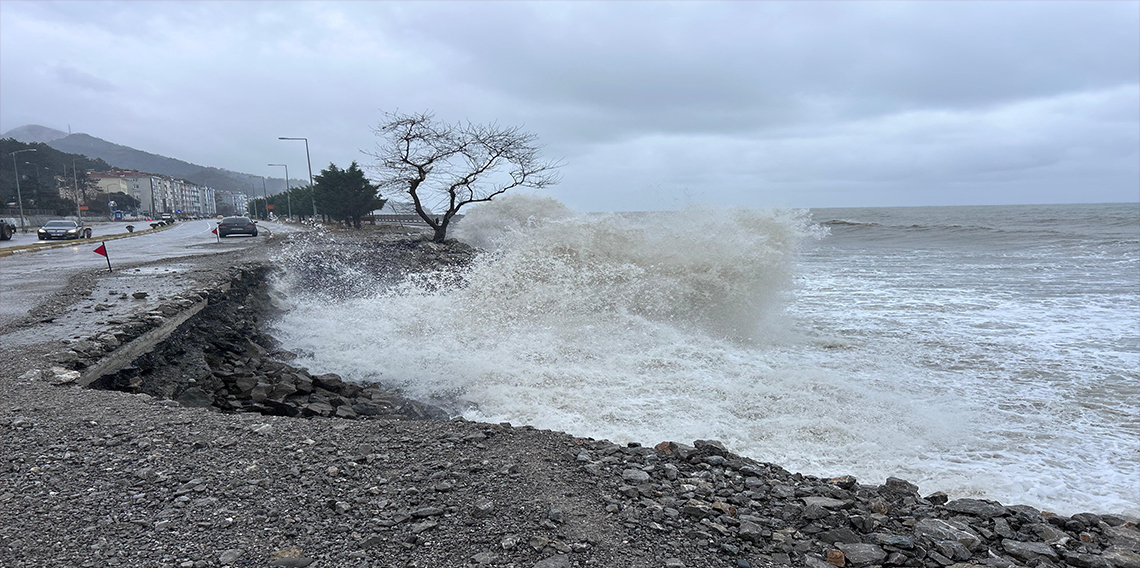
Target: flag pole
<point>103,251</point>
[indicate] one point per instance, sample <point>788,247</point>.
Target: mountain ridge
<point>126,157</point>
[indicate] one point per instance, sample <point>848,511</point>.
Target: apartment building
<point>157,193</point>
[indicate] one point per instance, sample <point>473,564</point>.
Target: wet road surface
<point>28,279</point>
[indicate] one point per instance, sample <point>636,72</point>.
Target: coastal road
<point>28,278</point>
<point>100,228</point>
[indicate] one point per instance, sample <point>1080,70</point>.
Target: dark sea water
<point>982,351</point>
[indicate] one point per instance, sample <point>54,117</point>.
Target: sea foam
<point>664,326</point>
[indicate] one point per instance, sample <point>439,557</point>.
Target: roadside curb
<point>25,249</point>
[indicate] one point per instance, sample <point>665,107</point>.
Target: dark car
<point>237,226</point>
<point>7,229</point>
<point>63,230</point>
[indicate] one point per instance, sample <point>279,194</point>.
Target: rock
<point>195,397</point>
<point>1001,528</point>
<point>835,557</point>
<point>897,541</point>
<point>900,486</point>
<point>749,531</point>
<point>936,530</point>
<point>1121,557</point>
<point>844,482</point>
<point>1124,536</point>
<point>815,511</point>
<point>374,540</point>
<point>64,357</point>
<point>695,508</point>
<point>484,558</point>
<point>318,409</point>
<point>260,393</point>
<point>813,561</point>
<point>139,295</point>
<point>293,562</point>
<point>483,507</point>
<point>64,377</point>
<point>1086,560</point>
<point>230,555</point>
<point>937,498</point>
<point>825,502</point>
<point>861,554</point>
<point>428,512</point>
<point>1045,532</point>
<point>1026,551</point>
<point>371,408</point>
<point>559,561</point>
<point>711,447</point>
<point>635,476</point>
<point>976,507</point>
<point>844,535</point>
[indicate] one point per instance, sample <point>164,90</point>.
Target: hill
<point>130,158</point>
<point>32,133</point>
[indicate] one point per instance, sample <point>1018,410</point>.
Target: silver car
<point>63,230</point>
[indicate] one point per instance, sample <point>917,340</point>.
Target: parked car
<point>61,229</point>
<point>237,226</point>
<point>7,229</point>
<point>168,217</point>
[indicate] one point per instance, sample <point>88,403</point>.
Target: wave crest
<point>722,270</point>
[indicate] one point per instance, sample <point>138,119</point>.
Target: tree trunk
<point>440,234</point>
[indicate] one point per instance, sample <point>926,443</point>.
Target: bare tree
<point>444,167</point>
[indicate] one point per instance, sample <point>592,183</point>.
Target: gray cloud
<point>751,103</point>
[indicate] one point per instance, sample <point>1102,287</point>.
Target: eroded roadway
<point>30,278</point>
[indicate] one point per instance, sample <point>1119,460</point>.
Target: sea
<point>987,352</point>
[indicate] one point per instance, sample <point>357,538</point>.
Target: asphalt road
<point>97,229</point>
<point>29,278</point>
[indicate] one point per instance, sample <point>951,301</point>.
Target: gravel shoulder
<point>107,478</point>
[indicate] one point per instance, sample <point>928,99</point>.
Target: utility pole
<point>312,188</point>
<point>75,179</point>
<point>19,198</point>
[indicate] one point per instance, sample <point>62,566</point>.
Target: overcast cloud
<point>651,105</point>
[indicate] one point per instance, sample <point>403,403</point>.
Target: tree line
<point>341,195</point>
<point>44,171</point>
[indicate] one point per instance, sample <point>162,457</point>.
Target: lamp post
<point>265,194</point>
<point>20,198</point>
<point>75,179</point>
<point>310,162</point>
<point>288,199</point>
<point>39,182</point>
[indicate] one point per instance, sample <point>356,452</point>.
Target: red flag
<point>215,231</point>
<point>101,250</point>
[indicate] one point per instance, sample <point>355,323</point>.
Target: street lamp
<point>39,182</point>
<point>20,198</point>
<point>288,199</point>
<point>265,194</point>
<point>75,178</point>
<point>310,162</point>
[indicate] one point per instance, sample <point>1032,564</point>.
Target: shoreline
<point>112,475</point>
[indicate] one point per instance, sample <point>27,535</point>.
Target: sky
<point>649,105</point>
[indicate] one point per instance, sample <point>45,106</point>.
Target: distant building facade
<point>231,202</point>
<point>157,193</point>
